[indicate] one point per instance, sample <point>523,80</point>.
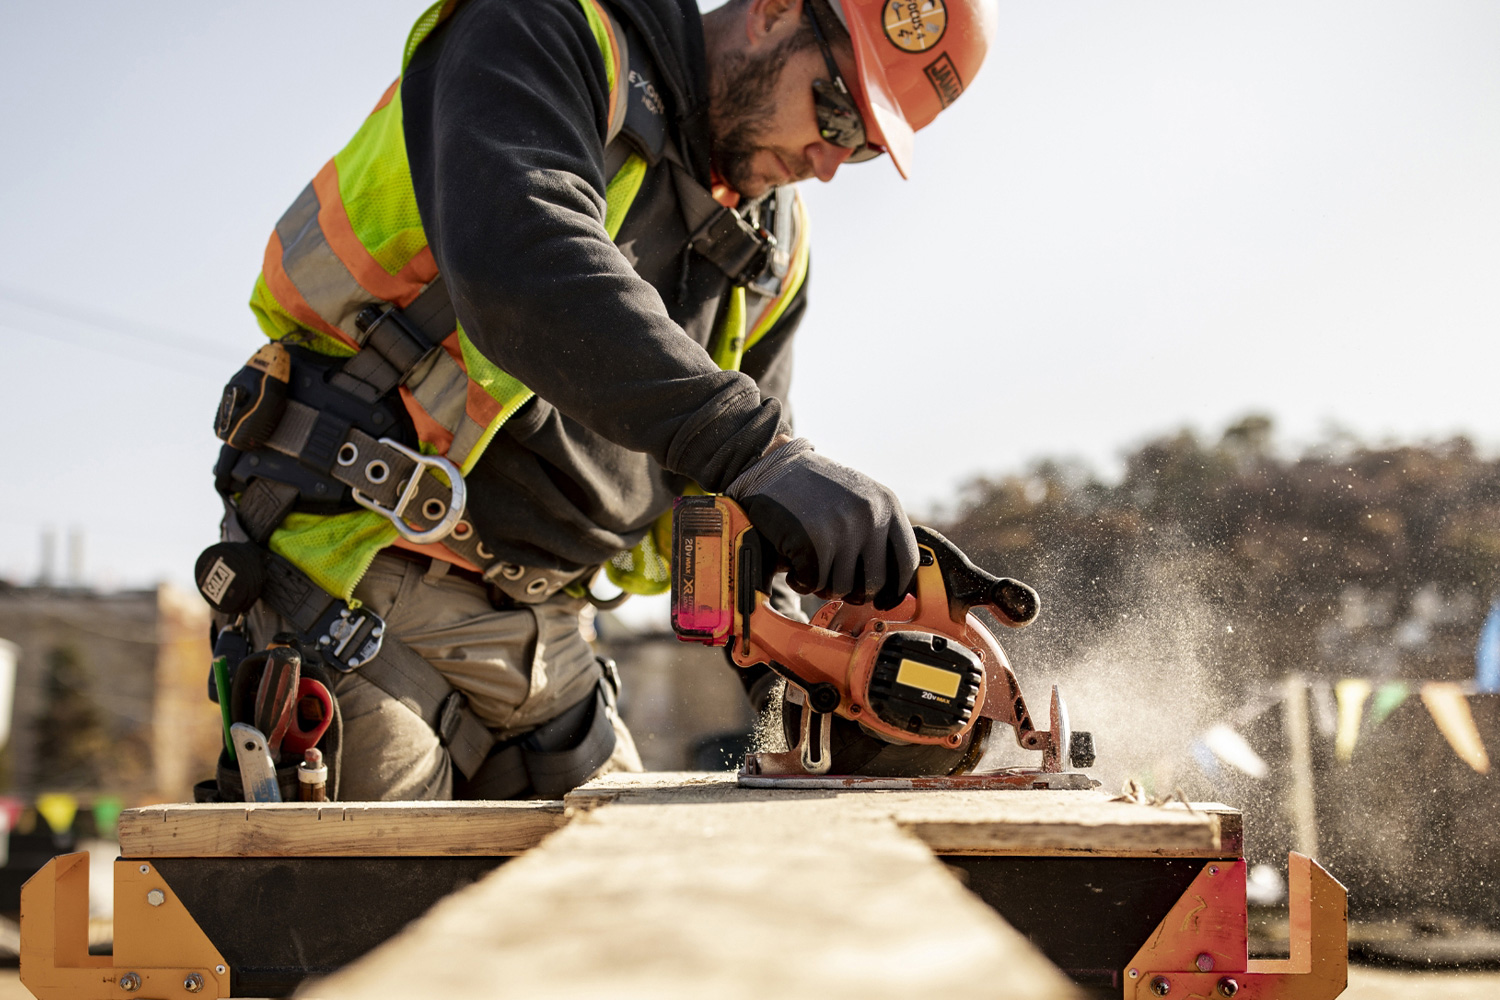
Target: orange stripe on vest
<point>401,287</point>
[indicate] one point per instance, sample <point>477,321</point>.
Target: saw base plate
<point>1010,779</point>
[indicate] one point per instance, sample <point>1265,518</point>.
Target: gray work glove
<point>842,534</point>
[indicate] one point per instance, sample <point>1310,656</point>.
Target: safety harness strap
<point>555,757</point>
<point>719,233</point>
<point>350,639</point>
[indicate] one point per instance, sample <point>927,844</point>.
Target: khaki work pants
<point>519,668</point>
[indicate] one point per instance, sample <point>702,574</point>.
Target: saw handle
<point>1012,601</point>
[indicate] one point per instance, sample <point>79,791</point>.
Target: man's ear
<point>768,22</point>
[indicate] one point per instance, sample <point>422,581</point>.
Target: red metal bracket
<point>1200,949</point>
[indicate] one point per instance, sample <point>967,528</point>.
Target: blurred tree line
<point>1347,559</point>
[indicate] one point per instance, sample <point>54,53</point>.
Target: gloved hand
<point>842,534</point>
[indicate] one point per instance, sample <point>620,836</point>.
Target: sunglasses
<point>839,120</point>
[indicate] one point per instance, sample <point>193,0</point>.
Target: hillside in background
<point>1183,606</point>
<point>1348,559</point>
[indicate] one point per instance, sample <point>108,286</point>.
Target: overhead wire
<point>116,326</point>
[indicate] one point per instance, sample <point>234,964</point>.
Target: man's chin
<point>754,176</point>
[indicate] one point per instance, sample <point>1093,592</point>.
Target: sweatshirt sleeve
<point>505,120</point>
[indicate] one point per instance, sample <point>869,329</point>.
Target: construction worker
<point>550,284</point>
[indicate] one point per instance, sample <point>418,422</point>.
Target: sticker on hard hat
<point>915,25</point>
<point>943,76</point>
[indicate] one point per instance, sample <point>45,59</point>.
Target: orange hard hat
<point>914,57</point>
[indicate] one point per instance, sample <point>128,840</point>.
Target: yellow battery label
<point>926,677</point>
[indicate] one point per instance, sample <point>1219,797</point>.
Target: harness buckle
<point>348,638</point>
<point>458,497</point>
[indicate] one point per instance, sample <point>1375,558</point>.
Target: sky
<point>1139,217</point>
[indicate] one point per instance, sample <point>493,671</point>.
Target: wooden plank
<point>1020,822</point>
<point>694,889</point>
<point>1055,823</point>
<point>341,829</point>
<point>950,822</point>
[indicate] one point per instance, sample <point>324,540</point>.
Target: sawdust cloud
<point>1147,685</point>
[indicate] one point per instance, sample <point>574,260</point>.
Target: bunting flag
<point>1351,693</point>
<point>1450,710</point>
<point>107,809</point>
<point>58,809</point>
<point>1230,747</point>
<point>1387,699</point>
<point>1487,654</point>
<point>1206,761</point>
<point>1325,711</point>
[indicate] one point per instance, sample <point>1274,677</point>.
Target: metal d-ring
<point>458,496</point>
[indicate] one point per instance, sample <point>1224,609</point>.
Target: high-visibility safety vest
<point>354,238</point>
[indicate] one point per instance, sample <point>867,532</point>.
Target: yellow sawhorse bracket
<point>159,951</point>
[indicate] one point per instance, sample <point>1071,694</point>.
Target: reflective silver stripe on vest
<point>332,292</point>
<point>443,391</point>
<point>312,266</point>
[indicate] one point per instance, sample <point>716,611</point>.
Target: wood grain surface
<point>1029,822</point>
<point>694,890</point>
<point>337,829</point>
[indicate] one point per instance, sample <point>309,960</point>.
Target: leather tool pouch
<point>226,785</point>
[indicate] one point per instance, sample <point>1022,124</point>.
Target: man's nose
<point>826,158</point>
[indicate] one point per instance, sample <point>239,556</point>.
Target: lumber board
<point>696,890</point>
<point>950,822</point>
<point>337,829</point>
<point>1019,822</point>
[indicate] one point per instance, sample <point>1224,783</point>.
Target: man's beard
<point>741,106</point>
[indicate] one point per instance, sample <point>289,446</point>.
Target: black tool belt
<point>233,575</point>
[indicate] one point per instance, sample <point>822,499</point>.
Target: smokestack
<point>75,557</point>
<point>49,555</point>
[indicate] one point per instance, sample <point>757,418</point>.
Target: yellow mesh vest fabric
<point>620,194</point>
<point>647,568</point>
<point>333,550</point>
<point>375,187</point>
<point>503,387</point>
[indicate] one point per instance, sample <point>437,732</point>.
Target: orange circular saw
<point>927,671</point>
